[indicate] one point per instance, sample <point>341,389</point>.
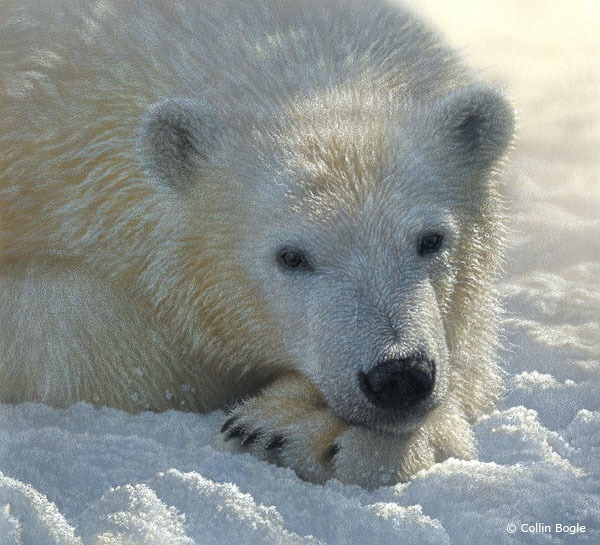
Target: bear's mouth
<point>398,420</point>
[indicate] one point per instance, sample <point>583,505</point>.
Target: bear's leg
<point>290,424</point>
<point>68,336</point>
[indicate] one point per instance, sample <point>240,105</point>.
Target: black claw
<point>331,452</point>
<point>276,442</point>
<point>228,423</point>
<point>238,431</point>
<point>251,438</point>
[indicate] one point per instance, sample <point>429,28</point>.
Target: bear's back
<point>257,52</point>
<point>76,78</point>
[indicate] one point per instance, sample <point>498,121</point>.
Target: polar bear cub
<point>287,209</point>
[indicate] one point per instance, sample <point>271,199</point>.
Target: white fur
<point>154,157</point>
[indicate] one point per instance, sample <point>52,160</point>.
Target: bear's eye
<point>430,243</point>
<point>293,259</point>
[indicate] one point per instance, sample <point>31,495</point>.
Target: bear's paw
<point>285,426</point>
<point>289,424</point>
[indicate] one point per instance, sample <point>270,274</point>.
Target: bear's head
<point>353,237</point>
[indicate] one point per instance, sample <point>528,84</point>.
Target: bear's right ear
<point>176,137</point>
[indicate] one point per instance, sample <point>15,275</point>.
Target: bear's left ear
<point>176,138</point>
<point>476,125</point>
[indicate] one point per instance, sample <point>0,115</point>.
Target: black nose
<point>399,383</point>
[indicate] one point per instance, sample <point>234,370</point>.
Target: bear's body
<point>285,202</point>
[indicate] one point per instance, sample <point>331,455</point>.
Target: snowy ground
<point>87,476</point>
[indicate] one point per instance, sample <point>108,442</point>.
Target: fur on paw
<point>290,425</point>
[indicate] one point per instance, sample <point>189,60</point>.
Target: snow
<point>100,476</point>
